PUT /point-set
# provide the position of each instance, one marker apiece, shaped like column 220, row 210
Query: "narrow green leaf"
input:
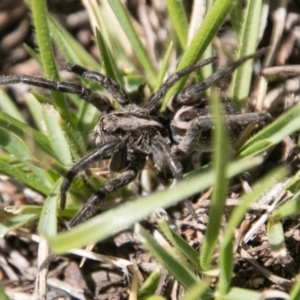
column 39, row 17
column 184, row 276
column 113, row 221
column 3, row 295
column 276, row 238
column 25, row 132
column 179, row 20
column 9, row 107
column 70, row 48
column 23, row 177
column 35, row 108
column 139, row 50
column 285, row 210
column 271, row 135
column 248, row 40
column 33, row 54
column 24, row 209
column 109, row 64
column 204, row 35
column 220, row 160
column 295, row 293
column 163, row 68
column 179, row 243
column 226, row 252
column 56, row 136
column 198, row 291
column 16, row 222
column 20, row 151
column 48, row 223
column 150, row 285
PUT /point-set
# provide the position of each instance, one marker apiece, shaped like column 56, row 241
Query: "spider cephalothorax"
column 131, row 134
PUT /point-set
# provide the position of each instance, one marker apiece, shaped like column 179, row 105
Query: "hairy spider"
column 131, row 134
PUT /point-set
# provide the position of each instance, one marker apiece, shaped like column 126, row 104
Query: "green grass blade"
column 24, row 209
column 86, row 121
column 179, row 20
column 16, row 147
column 35, row 109
column 33, row 54
column 56, row 135
column 184, row 276
column 276, row 238
column 248, row 40
column 295, row 293
column 220, row 159
column 271, row 135
column 3, row 295
column 204, row 35
column 285, row 210
column 70, row 48
column 179, row 243
column 113, row 221
column 197, row 291
column 139, row 50
column 109, row 64
column 226, row 252
column 48, row 221
column 9, row 107
column 150, row 285
column 25, row 133
column 163, row 68
column 39, row 17
column 16, row 222
column 24, row 178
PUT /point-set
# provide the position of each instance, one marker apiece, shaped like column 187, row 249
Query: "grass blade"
column 248, row 40
column 39, row 15
column 163, row 68
column 184, row 276
column 271, row 135
column 221, row 155
column 16, row 222
column 16, row 147
column 179, row 20
column 132, row 36
column 9, row 107
column 211, row 24
column 25, row 133
column 226, row 253
column 48, row 221
column 149, row 286
column 56, row 135
column 113, row 221
column 24, row 178
column 179, row 243
column 109, row 66
column 70, row 48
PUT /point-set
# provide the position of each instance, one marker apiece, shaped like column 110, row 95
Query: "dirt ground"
column 255, row 266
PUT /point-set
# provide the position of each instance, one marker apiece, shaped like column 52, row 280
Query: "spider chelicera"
column 132, row 133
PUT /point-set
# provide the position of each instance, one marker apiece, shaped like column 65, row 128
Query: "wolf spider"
column 131, row 134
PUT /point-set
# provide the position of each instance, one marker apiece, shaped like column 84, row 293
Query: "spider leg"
column 189, row 94
column 154, row 101
column 191, row 138
column 102, row 152
column 99, row 101
column 93, row 205
column 110, row 85
column 162, row 158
